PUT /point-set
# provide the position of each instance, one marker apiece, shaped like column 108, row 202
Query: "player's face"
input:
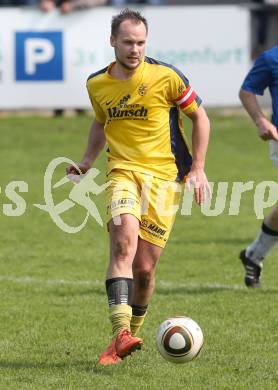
column 129, row 44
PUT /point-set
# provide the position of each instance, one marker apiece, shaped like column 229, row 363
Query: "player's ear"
column 112, row 41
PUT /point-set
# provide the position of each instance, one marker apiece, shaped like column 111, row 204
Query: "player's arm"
column 96, row 143
column 200, row 140
column 266, row 129
column 189, row 102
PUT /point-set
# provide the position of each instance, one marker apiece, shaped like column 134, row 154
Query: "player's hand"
column 198, row 179
column 78, row 169
column 267, row 130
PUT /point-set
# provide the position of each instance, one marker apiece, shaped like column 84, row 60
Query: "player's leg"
column 272, row 220
column 156, row 223
column 252, row 257
column 119, row 281
column 122, row 201
column 144, row 266
column 123, row 246
column 119, row 287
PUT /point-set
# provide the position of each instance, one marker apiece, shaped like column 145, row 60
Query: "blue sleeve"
column 259, row 77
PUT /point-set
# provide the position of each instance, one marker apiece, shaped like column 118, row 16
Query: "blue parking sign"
column 39, row 56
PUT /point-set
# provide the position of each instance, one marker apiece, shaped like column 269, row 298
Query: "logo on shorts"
column 153, row 229
column 156, row 229
column 144, row 223
column 120, row 203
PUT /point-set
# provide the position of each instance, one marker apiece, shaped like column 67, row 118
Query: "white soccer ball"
column 179, row 339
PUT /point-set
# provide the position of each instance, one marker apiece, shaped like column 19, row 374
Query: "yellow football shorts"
column 153, row 201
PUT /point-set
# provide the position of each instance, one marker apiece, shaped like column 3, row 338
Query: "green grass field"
column 53, row 309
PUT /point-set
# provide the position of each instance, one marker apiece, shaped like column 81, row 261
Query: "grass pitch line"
column 164, row 284
column 49, row 282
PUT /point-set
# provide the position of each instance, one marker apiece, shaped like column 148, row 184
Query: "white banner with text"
column 45, row 59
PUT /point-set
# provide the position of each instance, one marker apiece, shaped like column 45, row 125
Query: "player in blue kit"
column 264, row 74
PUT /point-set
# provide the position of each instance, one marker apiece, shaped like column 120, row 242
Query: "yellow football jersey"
column 141, row 118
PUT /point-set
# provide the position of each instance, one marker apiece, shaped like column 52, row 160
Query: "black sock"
column 119, row 291
column 139, row 310
column 269, row 231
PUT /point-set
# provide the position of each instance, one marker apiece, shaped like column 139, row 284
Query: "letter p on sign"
column 39, row 56
column 37, row 51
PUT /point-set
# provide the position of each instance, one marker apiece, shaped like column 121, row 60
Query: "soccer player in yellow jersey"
column 137, row 102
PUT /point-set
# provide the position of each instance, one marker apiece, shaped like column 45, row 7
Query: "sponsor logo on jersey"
column 123, row 101
column 123, row 110
column 130, row 111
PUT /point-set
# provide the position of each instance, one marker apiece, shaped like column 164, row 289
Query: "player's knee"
column 144, row 276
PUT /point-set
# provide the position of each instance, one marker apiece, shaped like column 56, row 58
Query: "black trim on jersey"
column 152, row 61
column 198, row 100
column 96, row 73
column 179, row 148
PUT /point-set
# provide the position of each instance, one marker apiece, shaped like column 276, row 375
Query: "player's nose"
column 134, row 48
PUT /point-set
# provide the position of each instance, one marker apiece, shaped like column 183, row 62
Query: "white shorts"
column 273, row 152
